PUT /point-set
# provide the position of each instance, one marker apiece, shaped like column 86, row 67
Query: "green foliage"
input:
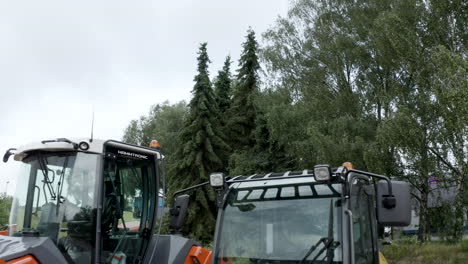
column 416, row 126
column 202, row 150
column 381, row 83
column 223, row 86
column 163, row 123
column 316, row 72
column 267, row 155
column 242, row 114
column 132, row 133
column 5, row 206
column 447, row 220
column 464, row 245
column 427, row 253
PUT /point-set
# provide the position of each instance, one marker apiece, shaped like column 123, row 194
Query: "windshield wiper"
column 328, row 242
column 75, row 145
column 60, row 185
column 327, row 245
column 45, row 170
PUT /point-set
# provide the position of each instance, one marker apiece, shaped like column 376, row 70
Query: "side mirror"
column 399, row 214
column 178, row 213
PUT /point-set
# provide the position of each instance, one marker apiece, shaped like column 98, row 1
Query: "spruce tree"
column 223, row 86
column 267, row 155
column 242, row 114
column 201, row 152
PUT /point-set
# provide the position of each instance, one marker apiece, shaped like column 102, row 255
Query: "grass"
column 406, row 252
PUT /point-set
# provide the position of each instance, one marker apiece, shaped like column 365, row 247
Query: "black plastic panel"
column 42, row 248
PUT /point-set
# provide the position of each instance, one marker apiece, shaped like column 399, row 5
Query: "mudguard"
column 41, row 248
column 198, row 255
column 173, row 249
column 28, row 259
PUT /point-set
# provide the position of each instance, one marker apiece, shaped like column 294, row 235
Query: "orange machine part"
column 28, row 259
column 197, row 255
column 226, row 261
column 7, row 231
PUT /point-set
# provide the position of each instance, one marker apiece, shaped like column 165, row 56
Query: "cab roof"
column 96, row 146
column 69, row 144
column 273, row 178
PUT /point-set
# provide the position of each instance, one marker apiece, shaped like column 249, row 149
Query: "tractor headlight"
column 217, row 179
column 322, row 173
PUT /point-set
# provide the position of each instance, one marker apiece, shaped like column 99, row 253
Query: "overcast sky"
column 60, row 60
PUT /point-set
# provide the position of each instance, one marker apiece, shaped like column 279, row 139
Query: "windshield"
column 55, row 198
column 280, row 225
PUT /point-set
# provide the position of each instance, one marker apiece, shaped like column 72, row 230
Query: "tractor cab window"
column 55, row 198
column 362, row 206
column 280, row 224
column 129, row 197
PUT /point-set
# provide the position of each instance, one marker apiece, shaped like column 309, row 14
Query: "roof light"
column 217, row 179
column 155, row 144
column 322, row 172
column 348, row 165
column 83, row 145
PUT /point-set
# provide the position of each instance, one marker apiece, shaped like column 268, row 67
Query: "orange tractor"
column 90, row 201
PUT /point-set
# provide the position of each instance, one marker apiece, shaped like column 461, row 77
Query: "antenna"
column 92, row 128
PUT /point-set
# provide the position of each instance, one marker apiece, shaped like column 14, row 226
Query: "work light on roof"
column 217, row 179
column 83, row 146
column 322, row 172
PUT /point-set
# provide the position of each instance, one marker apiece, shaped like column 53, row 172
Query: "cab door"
column 129, row 199
column 364, row 223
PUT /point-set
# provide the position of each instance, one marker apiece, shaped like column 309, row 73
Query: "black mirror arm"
column 389, row 200
column 175, row 210
column 7, row 155
column 220, row 192
column 188, row 189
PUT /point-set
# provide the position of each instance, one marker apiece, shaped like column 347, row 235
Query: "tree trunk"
column 423, row 221
column 424, row 170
